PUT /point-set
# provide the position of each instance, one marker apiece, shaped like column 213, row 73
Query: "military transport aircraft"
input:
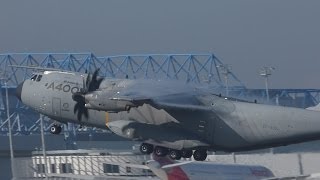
column 170, row 117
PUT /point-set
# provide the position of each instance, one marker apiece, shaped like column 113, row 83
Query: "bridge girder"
column 198, row 68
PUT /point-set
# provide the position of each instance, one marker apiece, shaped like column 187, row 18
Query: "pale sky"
column 246, row 34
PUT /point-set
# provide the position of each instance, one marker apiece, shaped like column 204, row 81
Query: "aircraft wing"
column 136, row 101
column 168, row 166
column 301, row 177
column 139, row 101
column 151, row 164
column 121, row 95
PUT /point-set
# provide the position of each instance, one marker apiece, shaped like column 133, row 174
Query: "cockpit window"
column 39, row 78
column 33, row 78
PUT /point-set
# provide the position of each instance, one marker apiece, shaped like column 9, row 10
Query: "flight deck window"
column 33, row 78
column 39, row 78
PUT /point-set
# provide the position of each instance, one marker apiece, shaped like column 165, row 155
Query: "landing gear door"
column 56, row 107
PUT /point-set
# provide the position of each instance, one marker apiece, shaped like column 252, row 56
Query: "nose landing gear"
column 55, row 129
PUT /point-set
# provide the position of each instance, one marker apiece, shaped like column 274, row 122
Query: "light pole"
column 225, row 69
column 266, row 72
column 9, row 127
column 43, row 147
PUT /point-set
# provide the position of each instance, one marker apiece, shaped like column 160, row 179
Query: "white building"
column 82, row 162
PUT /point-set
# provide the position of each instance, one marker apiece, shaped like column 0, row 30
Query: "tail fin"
column 166, row 168
column 314, row 108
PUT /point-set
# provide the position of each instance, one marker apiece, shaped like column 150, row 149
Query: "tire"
column 200, row 155
column 175, row 154
column 55, row 129
column 160, row 151
column 186, row 153
column 146, row 148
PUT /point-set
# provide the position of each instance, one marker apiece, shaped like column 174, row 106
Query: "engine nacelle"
column 124, row 129
column 109, row 105
column 103, row 103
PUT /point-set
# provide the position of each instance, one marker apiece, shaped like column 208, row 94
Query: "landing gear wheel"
column 186, row 153
column 175, row 154
column 160, row 151
column 200, row 155
column 146, row 148
column 55, row 129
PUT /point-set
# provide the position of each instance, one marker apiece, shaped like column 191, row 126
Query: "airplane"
column 169, row 117
column 168, row 169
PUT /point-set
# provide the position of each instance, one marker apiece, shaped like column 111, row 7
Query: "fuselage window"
column 34, row 77
column 39, row 78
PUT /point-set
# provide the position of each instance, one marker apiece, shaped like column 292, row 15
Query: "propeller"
column 91, row 84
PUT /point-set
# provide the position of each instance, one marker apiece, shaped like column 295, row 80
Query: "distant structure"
column 266, row 72
column 83, row 163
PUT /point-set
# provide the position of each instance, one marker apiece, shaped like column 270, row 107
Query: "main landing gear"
column 55, row 129
column 198, row 155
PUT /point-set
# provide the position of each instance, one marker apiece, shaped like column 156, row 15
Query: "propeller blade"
column 83, row 86
column 95, row 74
column 75, row 109
column 91, row 83
column 80, row 110
column 78, row 97
column 94, row 83
column 79, row 115
column 85, row 112
column 88, row 81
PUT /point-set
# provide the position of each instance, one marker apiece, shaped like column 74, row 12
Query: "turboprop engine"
column 103, row 102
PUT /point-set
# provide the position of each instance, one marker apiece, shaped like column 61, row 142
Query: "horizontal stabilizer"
column 314, row 108
column 168, row 166
column 289, row 177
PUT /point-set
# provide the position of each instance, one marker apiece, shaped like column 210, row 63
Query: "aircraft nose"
column 19, row 91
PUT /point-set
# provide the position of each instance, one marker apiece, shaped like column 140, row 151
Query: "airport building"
column 95, row 163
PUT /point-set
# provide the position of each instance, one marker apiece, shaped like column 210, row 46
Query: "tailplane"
column 314, row 108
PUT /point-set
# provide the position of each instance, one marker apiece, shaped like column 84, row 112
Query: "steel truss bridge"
column 191, row 68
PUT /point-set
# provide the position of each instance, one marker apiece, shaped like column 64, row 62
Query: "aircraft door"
column 210, row 129
column 56, row 106
column 206, row 128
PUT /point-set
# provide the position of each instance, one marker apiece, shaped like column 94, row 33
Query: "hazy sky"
column 246, row 34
